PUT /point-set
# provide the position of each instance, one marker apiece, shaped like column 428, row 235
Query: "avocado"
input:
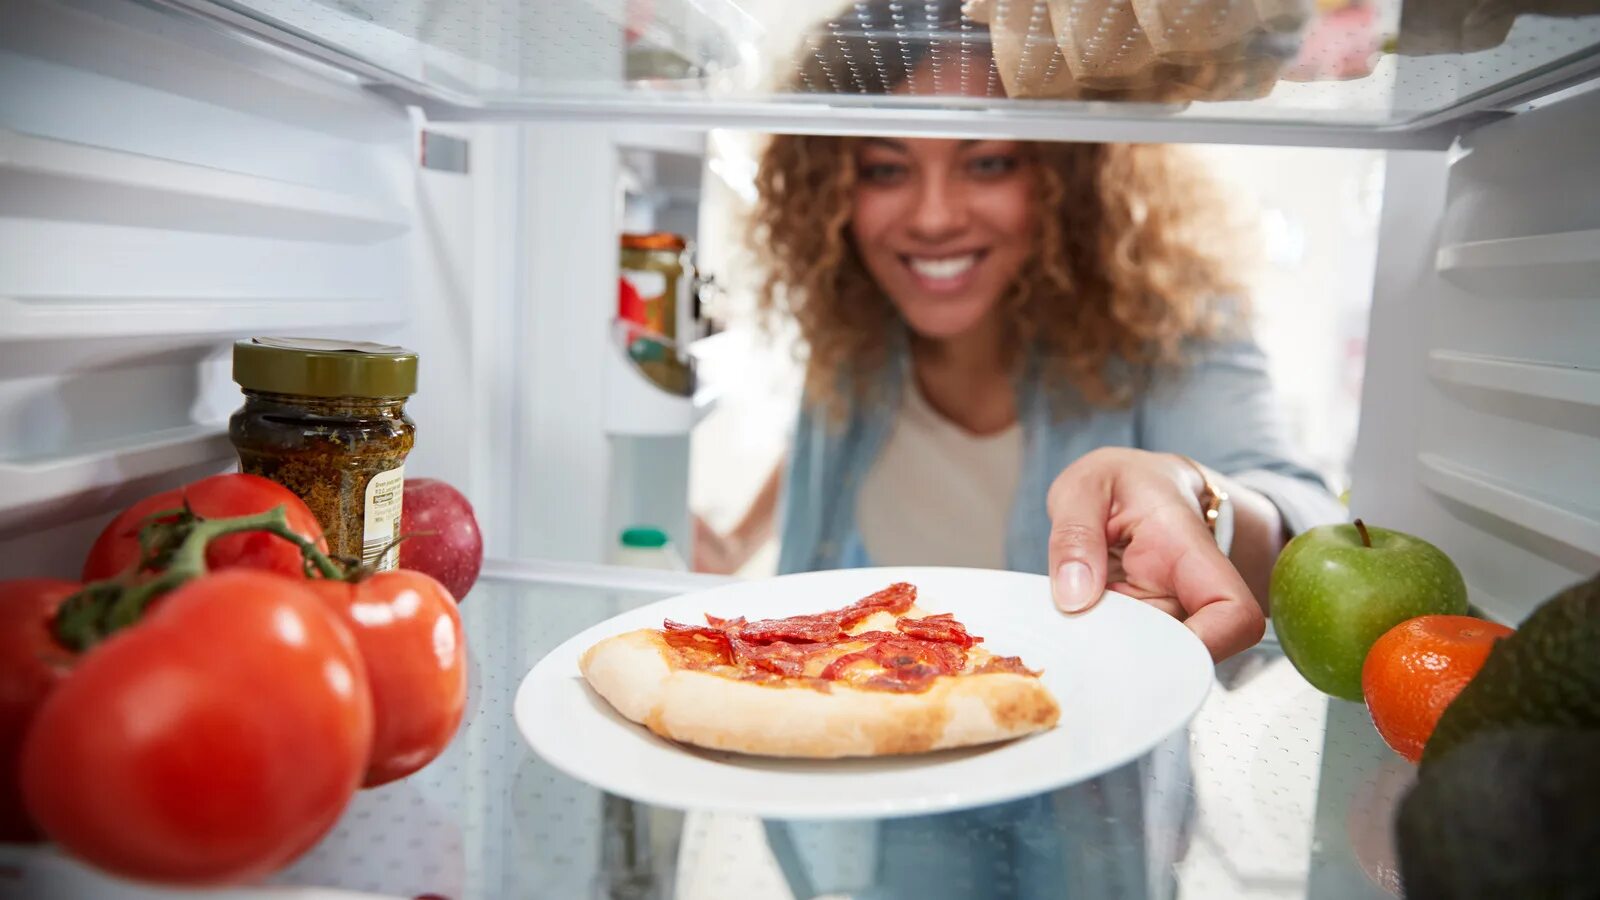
column 1547, row 673
column 1509, row 813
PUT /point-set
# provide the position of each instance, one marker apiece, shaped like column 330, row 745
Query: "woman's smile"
column 943, row 226
column 949, row 273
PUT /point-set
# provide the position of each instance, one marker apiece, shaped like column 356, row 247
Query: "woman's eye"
column 881, row 173
column 992, row 166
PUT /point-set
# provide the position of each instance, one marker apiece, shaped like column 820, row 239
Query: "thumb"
column 1078, row 547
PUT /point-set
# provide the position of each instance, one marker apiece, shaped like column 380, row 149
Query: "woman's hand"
column 726, row 553
column 1130, row 520
column 714, row 552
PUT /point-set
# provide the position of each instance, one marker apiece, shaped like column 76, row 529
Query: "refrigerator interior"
column 177, row 175
column 172, row 181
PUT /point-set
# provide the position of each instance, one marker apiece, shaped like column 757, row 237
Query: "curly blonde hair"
column 1135, row 258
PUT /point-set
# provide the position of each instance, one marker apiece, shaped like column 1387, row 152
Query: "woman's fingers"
column 1228, row 628
column 1163, row 554
column 1164, row 602
column 1220, row 609
column 1079, row 506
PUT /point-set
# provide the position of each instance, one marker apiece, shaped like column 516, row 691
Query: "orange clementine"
column 1416, row 668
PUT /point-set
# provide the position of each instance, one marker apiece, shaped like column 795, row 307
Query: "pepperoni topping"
column 942, row 628
column 1012, row 664
column 902, row 657
column 890, row 647
column 875, row 636
column 776, row 651
column 710, row 644
column 801, row 629
column 678, row 628
column 829, row 626
column 950, row 657
column 819, row 628
column 838, row 666
column 894, row 599
column 782, row 657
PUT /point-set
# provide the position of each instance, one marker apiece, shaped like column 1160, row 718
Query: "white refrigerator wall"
column 166, row 188
column 1481, row 414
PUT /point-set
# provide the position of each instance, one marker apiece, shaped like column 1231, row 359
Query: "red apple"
column 444, row 540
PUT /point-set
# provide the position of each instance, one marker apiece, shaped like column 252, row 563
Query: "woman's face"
column 943, row 226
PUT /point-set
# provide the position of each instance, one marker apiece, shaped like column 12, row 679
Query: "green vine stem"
column 159, row 534
column 103, row 607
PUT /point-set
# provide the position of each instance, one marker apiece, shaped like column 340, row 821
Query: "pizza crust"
column 633, row 673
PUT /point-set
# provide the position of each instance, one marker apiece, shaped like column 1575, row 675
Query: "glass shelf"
column 1274, row 791
column 1336, row 72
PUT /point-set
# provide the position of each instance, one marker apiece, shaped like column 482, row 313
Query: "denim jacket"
column 1115, row 837
column 1218, row 410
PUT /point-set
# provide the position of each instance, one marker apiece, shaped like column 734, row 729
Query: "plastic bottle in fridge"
column 647, row 547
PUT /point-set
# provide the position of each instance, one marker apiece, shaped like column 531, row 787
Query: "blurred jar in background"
column 655, row 306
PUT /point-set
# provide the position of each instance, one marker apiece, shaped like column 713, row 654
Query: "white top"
column 939, row 495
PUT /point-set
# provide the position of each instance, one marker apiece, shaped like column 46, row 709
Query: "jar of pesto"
column 326, row 419
column 656, row 267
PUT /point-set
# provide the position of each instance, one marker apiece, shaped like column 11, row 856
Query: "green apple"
column 1337, row 588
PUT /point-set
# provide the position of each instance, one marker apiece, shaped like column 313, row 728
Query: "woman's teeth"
column 944, row 268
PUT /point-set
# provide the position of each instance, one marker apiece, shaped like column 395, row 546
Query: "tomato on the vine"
column 32, row 663
column 117, row 549
column 213, row 741
column 409, row 631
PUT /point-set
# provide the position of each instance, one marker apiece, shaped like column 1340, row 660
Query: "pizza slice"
column 875, row 678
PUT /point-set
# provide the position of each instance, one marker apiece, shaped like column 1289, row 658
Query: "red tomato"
column 217, row 497
column 31, row 664
column 212, row 742
column 409, row 632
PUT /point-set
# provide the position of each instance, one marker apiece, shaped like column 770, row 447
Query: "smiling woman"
column 1019, row 355
column 1025, row 356
column 1095, row 251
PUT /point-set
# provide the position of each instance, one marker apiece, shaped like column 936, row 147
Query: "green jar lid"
column 312, row 367
column 644, row 536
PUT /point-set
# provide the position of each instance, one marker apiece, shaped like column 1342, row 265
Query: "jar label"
column 652, row 289
column 382, row 525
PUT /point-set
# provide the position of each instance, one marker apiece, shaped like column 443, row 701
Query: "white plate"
column 1126, row 676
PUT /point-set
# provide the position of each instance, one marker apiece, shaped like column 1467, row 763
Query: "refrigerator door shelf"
column 38, row 493
column 58, row 305
column 56, row 179
column 1563, row 264
column 1573, row 525
column 156, row 323
column 637, row 407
